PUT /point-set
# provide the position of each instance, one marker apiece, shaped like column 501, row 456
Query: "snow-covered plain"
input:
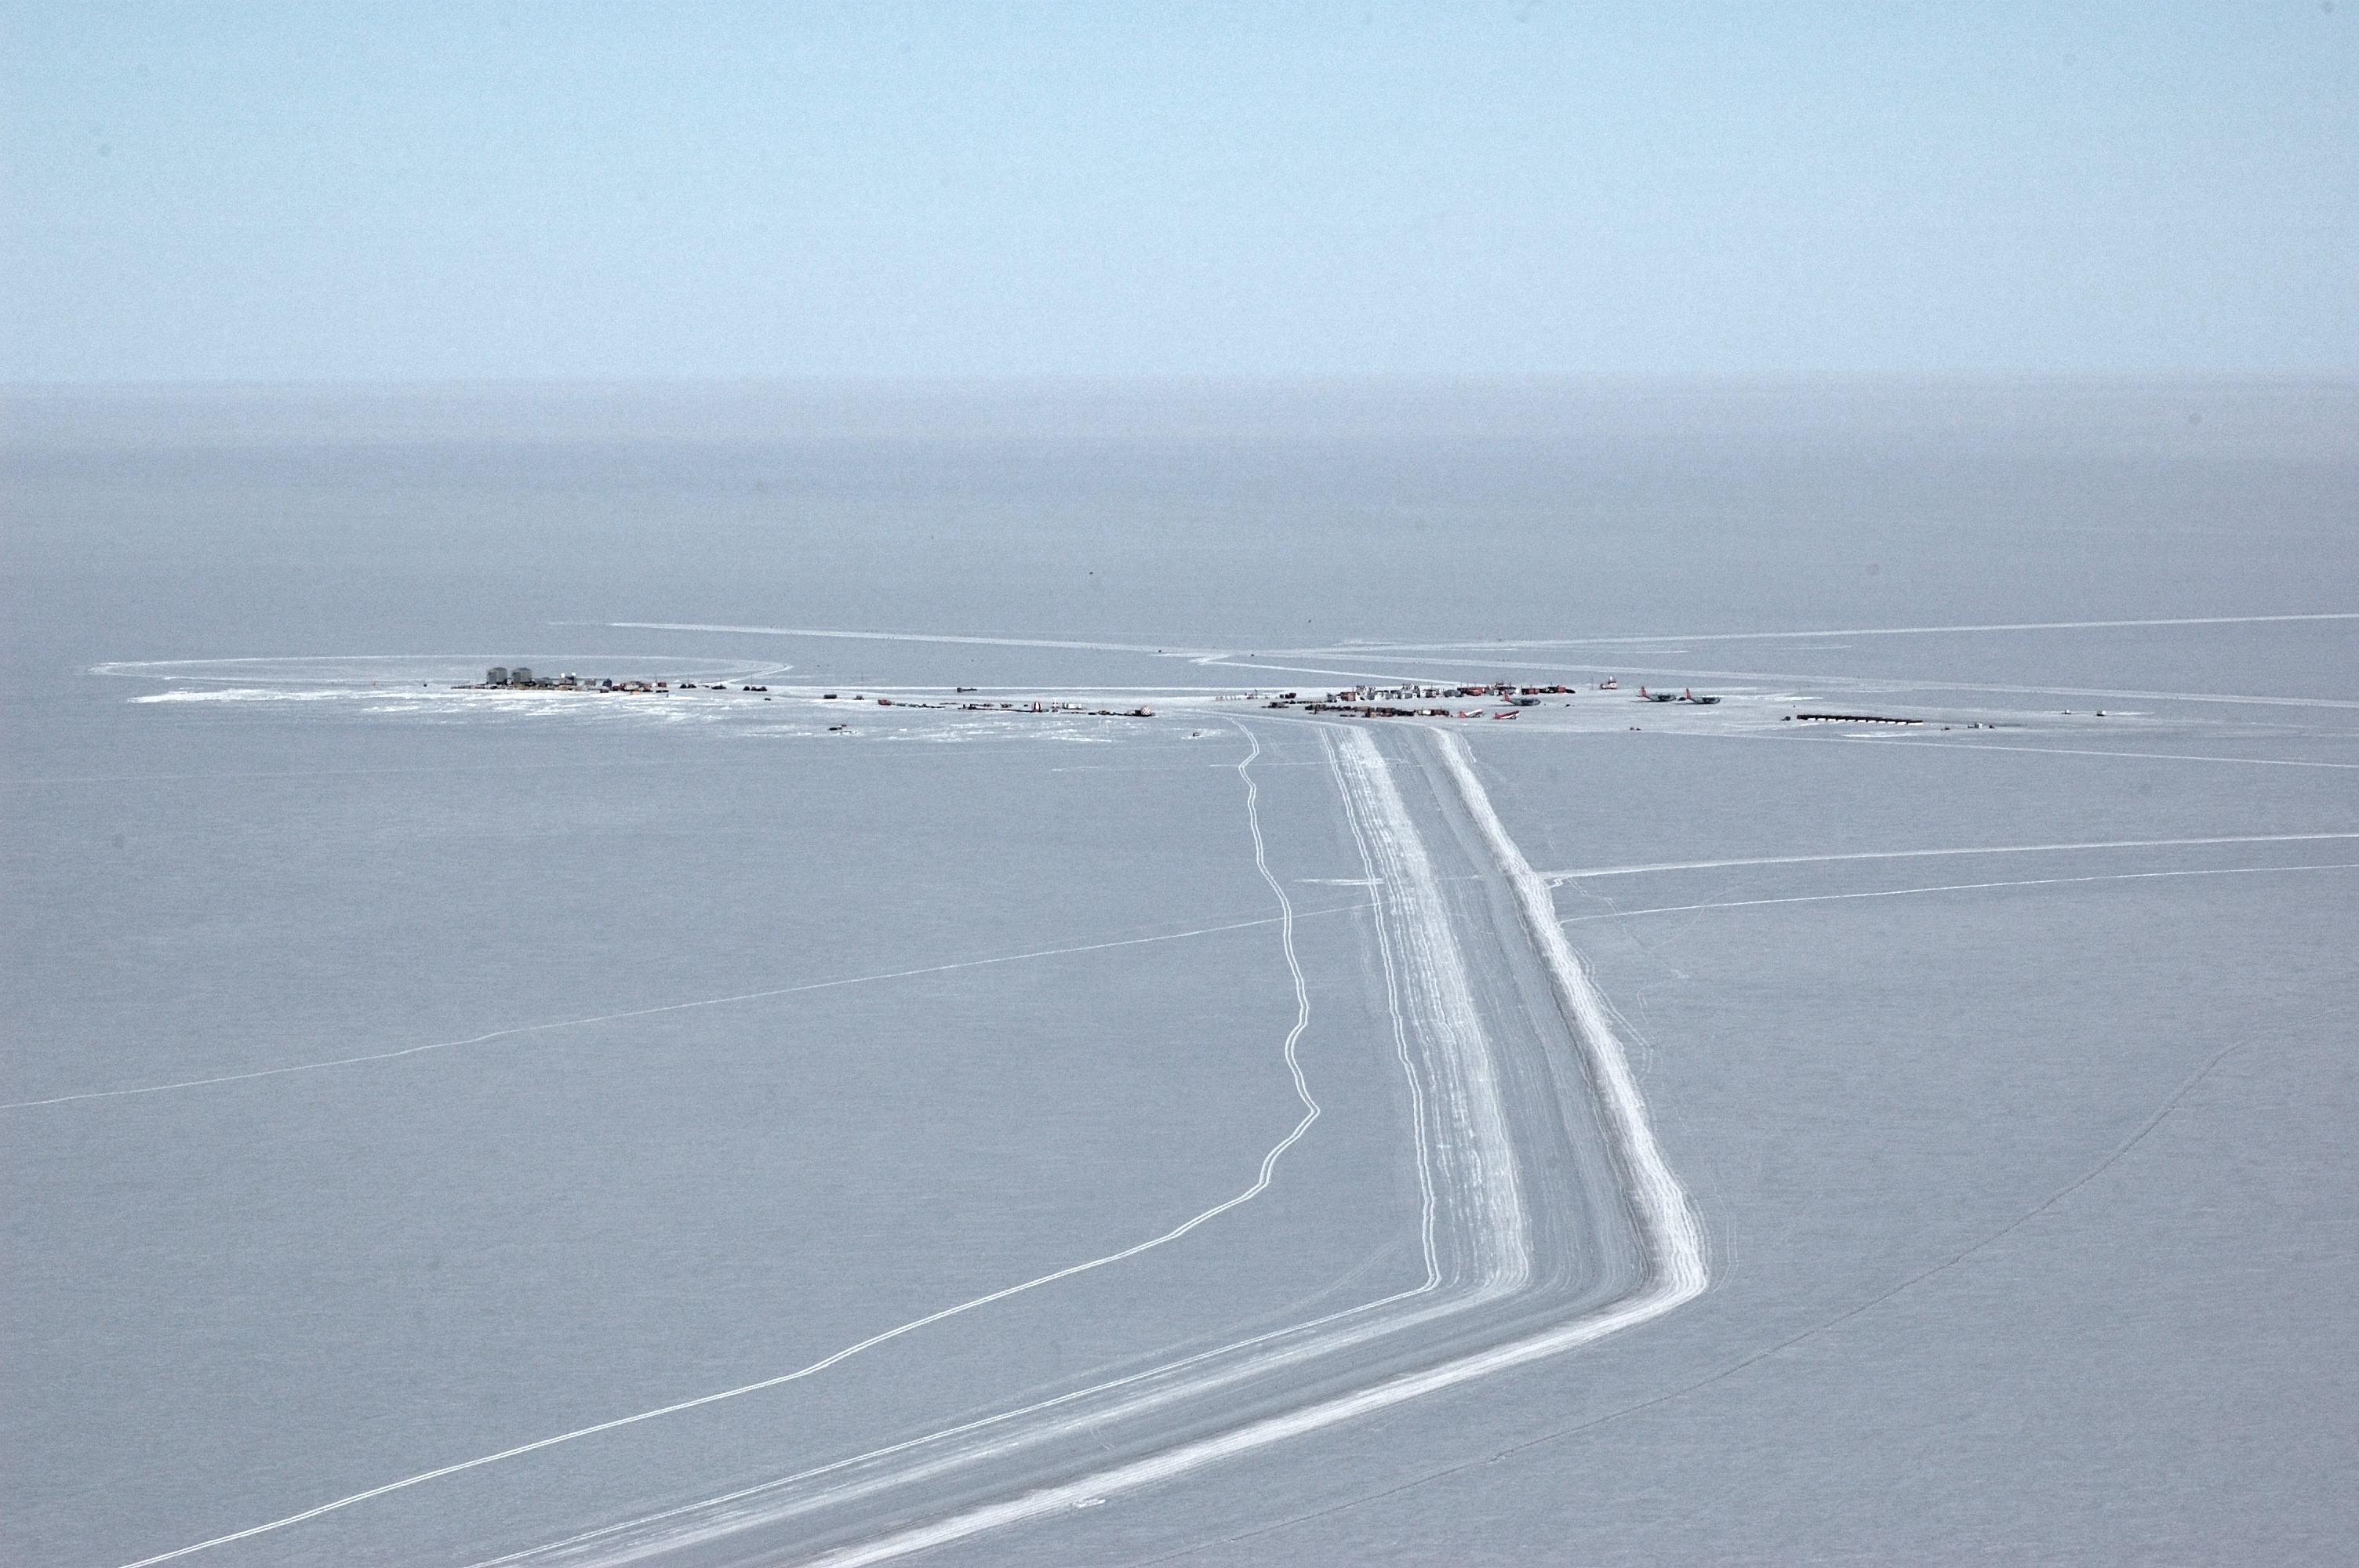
column 459, row 1126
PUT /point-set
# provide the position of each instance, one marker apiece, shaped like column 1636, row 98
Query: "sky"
column 350, row 192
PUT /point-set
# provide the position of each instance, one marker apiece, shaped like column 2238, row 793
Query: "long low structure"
column 1853, row 718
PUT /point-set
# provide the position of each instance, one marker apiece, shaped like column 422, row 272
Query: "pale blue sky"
column 409, row 191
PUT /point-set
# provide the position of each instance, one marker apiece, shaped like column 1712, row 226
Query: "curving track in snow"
column 1550, row 1220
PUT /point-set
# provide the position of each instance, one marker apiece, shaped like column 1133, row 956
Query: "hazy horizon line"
column 1275, row 379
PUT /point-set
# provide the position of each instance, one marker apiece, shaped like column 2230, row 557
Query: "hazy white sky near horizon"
column 246, row 191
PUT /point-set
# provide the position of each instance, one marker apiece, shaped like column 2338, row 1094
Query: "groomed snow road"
column 1550, row 1220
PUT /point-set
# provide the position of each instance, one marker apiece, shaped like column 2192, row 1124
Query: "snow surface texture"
column 752, row 1126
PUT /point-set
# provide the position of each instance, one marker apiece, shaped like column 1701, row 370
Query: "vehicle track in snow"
column 1555, row 878
column 516, row 1031
column 1495, row 1297
column 1959, row 887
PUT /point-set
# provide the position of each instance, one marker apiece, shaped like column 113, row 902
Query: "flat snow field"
column 771, row 1124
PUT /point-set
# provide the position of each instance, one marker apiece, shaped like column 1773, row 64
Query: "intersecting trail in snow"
column 1960, row 887
column 1560, row 877
column 522, row 1029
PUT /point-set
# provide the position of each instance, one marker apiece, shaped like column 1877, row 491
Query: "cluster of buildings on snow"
column 500, row 677
column 1388, row 701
